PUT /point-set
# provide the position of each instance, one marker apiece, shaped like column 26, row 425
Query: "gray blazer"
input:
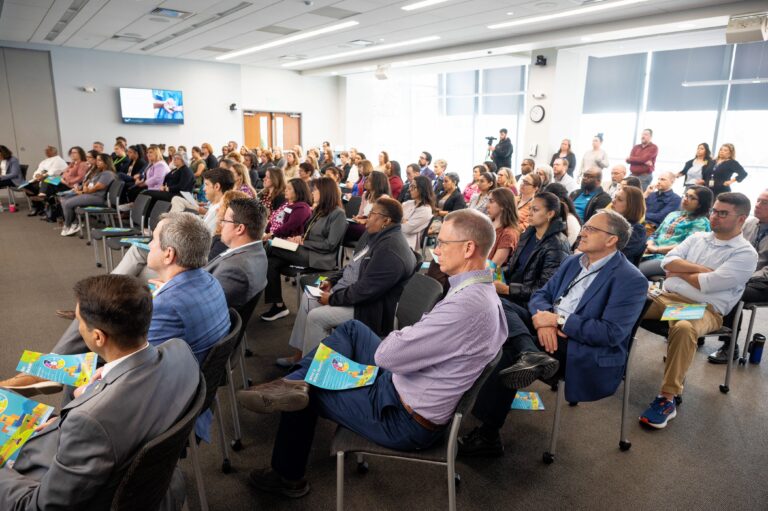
column 78, row 461
column 750, row 231
column 242, row 273
column 323, row 240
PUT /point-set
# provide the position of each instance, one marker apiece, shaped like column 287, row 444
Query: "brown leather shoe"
column 275, row 396
column 28, row 385
column 65, row 314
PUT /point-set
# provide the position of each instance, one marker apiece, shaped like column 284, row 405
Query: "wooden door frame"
column 272, row 119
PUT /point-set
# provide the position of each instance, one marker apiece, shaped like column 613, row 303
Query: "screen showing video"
column 152, row 106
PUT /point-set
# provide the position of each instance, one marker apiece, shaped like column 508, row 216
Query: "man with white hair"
column 618, row 172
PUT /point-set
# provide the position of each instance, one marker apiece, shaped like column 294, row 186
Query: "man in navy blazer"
column 582, row 318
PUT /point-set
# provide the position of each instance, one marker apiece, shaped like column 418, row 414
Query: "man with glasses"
column 424, row 369
column 580, row 321
column 756, row 291
column 590, row 197
column 618, row 172
column 710, row 268
column 424, row 160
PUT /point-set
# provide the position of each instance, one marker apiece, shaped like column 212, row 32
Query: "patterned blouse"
column 479, row 201
column 675, row 228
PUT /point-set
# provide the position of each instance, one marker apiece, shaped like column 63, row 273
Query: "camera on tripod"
column 490, row 140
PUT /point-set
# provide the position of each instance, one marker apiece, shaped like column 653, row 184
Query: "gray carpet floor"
column 713, row 456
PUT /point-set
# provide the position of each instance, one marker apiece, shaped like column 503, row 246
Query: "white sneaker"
column 65, row 230
column 73, row 229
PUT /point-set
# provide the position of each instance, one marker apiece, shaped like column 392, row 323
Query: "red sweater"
column 641, row 154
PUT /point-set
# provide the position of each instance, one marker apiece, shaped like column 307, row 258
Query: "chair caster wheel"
column 576, row 403
column 237, row 445
column 548, row 458
column 362, row 468
column 88, row 243
column 742, row 361
column 700, row 341
column 678, row 400
column 625, row 446
column 250, row 382
column 98, row 265
column 457, row 480
column 287, row 279
column 724, row 389
column 248, row 353
column 226, row 467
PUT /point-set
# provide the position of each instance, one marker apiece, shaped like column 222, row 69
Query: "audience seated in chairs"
column 451, row 199
column 539, row 253
column 630, row 203
column 756, row 232
column 153, row 176
column 376, row 186
column 530, row 184
column 74, row 174
column 93, row 192
column 317, row 247
column 660, row 200
column 273, row 194
column 583, row 317
column 502, row 210
column 417, row 212
column 179, row 179
column 290, row 218
column 217, row 246
column 368, row 288
column 708, row 267
column 423, row 369
column 590, row 197
column 573, row 223
column 472, row 188
column 479, row 201
column 217, row 182
column 411, row 171
column 78, row 459
column 678, row 226
column 395, row 181
column 243, row 180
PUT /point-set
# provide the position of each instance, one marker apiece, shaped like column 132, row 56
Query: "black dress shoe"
column 476, row 444
column 721, row 355
column 271, row 482
column 531, row 366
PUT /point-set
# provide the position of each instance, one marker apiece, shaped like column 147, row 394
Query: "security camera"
column 233, row 107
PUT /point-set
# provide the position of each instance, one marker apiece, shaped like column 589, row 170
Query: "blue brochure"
column 74, row 370
column 19, row 417
column 142, row 243
column 527, row 401
column 333, row 371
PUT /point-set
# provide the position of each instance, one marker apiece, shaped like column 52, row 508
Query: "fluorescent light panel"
column 370, row 49
column 741, row 81
column 565, row 14
column 422, row 4
column 287, row 40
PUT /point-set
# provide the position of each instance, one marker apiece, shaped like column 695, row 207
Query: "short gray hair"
column 189, row 237
column 548, row 171
column 472, row 225
column 618, row 225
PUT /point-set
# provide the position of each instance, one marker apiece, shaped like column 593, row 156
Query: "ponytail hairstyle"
column 553, row 203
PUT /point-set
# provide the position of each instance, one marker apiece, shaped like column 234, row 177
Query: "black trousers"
column 277, row 260
column 495, row 400
column 756, row 291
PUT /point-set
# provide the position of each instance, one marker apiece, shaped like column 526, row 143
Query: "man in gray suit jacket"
column 79, row 458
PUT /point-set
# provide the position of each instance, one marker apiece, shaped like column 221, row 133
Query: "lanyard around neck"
column 479, row 279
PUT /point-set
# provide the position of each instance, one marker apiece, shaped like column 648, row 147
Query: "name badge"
column 711, row 183
column 288, row 210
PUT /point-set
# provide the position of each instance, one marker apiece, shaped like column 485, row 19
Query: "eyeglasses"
column 380, row 214
column 691, row 196
column 720, row 213
column 225, row 221
column 443, row 242
column 591, row 230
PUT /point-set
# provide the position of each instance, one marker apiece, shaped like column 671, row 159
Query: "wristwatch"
column 560, row 320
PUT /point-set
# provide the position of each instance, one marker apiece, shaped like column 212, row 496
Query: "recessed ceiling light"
column 379, row 47
column 586, row 38
column 286, row 40
column 566, row 14
column 422, row 4
column 510, row 13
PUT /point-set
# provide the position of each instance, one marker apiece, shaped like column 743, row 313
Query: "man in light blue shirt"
column 708, row 267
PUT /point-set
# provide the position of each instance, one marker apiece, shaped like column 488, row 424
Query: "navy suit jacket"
column 599, row 330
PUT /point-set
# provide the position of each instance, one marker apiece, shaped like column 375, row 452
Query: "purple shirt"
column 436, row 360
column 155, row 175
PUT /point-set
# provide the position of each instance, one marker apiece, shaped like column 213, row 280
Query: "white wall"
column 316, row 98
column 208, row 90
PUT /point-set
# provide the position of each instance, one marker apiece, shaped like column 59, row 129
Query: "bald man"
column 660, row 200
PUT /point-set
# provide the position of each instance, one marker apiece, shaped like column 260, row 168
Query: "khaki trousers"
column 683, row 339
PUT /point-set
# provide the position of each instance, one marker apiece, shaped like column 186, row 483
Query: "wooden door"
column 257, row 129
column 287, row 129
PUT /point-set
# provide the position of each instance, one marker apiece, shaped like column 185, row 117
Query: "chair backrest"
column 24, row 168
column 425, row 237
column 114, row 192
column 648, row 303
column 467, row 401
column 421, row 293
column 146, row 480
column 158, row 209
column 246, row 311
column 215, row 364
column 139, row 210
column 352, row 206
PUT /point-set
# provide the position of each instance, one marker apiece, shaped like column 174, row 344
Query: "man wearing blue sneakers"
column 708, row 267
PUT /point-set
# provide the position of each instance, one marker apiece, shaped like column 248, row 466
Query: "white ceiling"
column 456, row 22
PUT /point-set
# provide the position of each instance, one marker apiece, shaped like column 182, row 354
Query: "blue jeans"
column 374, row 412
column 645, row 180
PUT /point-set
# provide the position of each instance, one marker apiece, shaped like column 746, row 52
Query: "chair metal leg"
column 226, row 464
column 246, row 352
column 96, row 254
column 340, row 481
column 451, row 466
column 87, row 227
column 549, row 456
column 731, row 348
column 241, row 363
column 624, row 443
column 110, row 261
column 237, row 441
column 198, row 473
column 106, row 254
column 748, row 339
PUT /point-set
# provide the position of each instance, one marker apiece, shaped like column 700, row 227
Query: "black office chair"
column 444, row 453
column 114, row 243
column 12, row 190
column 136, row 224
column 148, row 477
column 352, row 206
column 107, row 213
column 421, row 293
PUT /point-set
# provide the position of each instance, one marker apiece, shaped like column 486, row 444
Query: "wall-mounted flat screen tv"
column 151, row 106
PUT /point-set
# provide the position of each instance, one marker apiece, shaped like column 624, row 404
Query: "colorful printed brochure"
column 116, row 229
column 680, row 311
column 142, row 243
column 53, row 180
column 498, row 274
column 333, row 371
column 19, row 417
column 527, row 401
column 74, row 370
column 320, row 280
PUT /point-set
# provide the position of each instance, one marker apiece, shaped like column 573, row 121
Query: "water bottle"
column 12, row 208
column 756, row 348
